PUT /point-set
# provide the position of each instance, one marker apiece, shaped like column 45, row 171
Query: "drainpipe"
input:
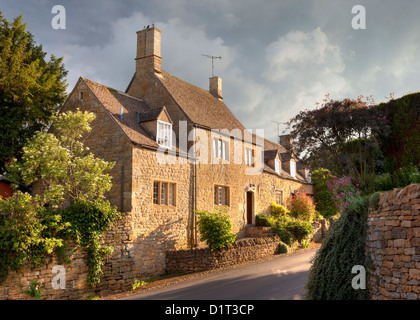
column 195, row 184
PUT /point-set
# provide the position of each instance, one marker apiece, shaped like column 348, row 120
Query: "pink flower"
column 358, row 192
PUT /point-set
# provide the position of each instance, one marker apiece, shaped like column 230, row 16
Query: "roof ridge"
column 112, row 89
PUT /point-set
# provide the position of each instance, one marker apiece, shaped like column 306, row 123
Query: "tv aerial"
column 212, row 62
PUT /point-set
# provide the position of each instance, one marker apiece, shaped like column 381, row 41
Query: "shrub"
column 374, row 200
column 414, row 176
column 324, row 204
column 290, row 229
column 383, row 182
column 284, row 234
column 28, row 232
column 278, row 210
column 215, row 229
column 261, row 220
column 302, row 207
column 299, row 229
column 330, row 276
column 345, row 194
column 282, row 248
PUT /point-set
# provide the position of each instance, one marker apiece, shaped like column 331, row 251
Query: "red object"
column 5, row 190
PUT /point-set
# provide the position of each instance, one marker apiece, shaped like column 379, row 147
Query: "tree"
column 31, row 88
column 62, row 164
column 337, row 133
column 59, row 161
column 400, row 146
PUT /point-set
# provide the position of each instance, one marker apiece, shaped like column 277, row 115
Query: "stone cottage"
column 178, row 148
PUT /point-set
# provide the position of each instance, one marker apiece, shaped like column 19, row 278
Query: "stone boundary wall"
column 259, row 232
column 119, row 272
column 393, row 244
column 320, row 228
column 201, row 259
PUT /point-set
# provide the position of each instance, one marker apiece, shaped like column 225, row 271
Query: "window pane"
column 156, row 192
column 163, row 193
column 225, row 196
column 171, row 194
column 246, row 157
column 277, row 165
column 227, row 150
column 214, row 148
column 279, row 197
column 164, row 134
column 219, row 148
column 292, row 168
column 220, row 196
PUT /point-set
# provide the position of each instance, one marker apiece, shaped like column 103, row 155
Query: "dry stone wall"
column 201, row 259
column 393, row 245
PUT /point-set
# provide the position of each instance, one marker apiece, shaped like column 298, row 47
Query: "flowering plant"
column 33, row 288
column 344, row 192
column 302, row 207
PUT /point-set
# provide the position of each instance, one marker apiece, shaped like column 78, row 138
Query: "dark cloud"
column 278, row 57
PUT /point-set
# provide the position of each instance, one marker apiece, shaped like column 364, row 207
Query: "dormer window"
column 293, row 169
column 220, row 149
column 277, row 165
column 164, row 134
column 307, row 175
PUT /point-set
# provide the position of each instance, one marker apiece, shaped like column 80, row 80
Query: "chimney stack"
column 286, row 141
column 216, row 87
column 148, row 51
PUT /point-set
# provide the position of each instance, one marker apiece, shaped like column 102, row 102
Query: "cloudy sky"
column 278, row 56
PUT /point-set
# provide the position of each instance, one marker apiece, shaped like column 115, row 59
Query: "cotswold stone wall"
column 202, row 259
column 119, row 271
column 393, row 243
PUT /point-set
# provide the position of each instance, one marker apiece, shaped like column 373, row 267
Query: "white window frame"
column 249, row 159
column 220, row 148
column 293, row 169
column 277, row 165
column 167, row 131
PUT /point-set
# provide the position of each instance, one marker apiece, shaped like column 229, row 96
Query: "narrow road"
column 281, row 278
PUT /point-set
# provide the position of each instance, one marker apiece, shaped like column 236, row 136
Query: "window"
column 221, row 195
column 307, row 175
column 220, row 149
column 249, row 160
column 277, row 165
column 164, row 193
column 164, row 134
column 279, row 197
column 293, row 168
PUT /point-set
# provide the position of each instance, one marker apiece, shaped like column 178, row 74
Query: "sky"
column 279, row 57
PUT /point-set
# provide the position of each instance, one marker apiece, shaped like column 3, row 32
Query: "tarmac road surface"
column 281, row 278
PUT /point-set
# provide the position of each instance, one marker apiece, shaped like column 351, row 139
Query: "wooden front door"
column 249, row 207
